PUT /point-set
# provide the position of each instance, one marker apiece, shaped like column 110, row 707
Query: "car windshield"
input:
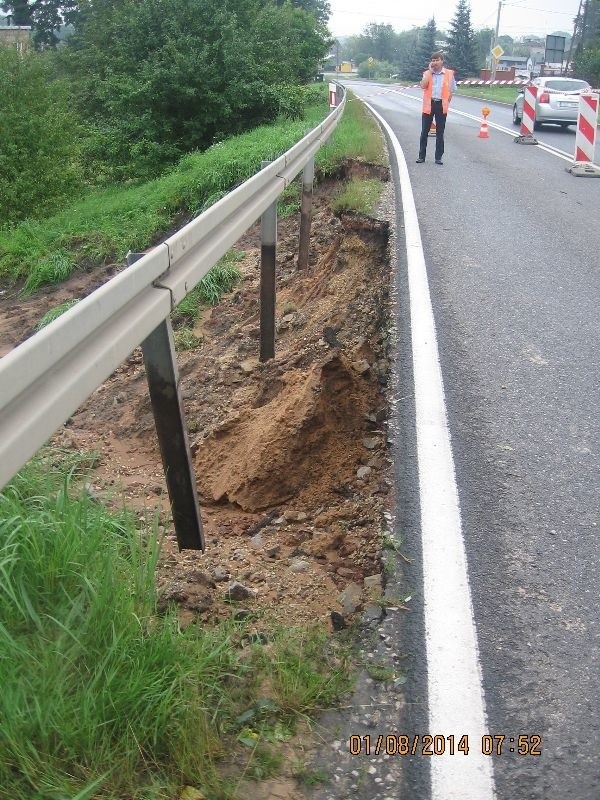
column 567, row 86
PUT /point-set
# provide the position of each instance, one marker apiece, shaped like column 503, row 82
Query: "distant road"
column 512, row 250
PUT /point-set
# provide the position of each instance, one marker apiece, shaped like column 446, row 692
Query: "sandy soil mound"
column 290, row 455
column 300, row 437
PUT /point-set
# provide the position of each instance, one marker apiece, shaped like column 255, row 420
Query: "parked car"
column 557, row 101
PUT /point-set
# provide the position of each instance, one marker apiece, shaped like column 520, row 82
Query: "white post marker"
column 585, row 139
column 528, row 118
column 332, row 95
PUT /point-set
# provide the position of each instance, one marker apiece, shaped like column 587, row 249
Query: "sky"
column 517, row 17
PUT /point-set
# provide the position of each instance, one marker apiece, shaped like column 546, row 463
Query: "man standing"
column 438, row 86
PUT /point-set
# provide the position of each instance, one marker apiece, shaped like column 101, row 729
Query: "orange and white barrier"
column 587, row 120
column 528, row 118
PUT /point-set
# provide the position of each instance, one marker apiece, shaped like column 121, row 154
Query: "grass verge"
column 102, row 696
column 103, row 226
column 357, row 138
column 359, row 195
column 496, row 94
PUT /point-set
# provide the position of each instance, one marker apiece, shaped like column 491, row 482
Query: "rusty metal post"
column 268, row 254
column 163, row 383
column 308, row 177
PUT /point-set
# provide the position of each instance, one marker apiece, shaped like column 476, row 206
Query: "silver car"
column 557, row 101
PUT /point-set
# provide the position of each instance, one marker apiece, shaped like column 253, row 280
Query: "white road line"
column 456, row 700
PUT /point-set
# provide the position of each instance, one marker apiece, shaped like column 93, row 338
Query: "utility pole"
column 577, row 33
column 495, row 42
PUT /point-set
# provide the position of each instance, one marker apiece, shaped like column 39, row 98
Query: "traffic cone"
column 432, row 130
column 483, row 130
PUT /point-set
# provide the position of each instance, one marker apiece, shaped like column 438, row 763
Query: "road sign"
column 497, row 52
column 370, row 61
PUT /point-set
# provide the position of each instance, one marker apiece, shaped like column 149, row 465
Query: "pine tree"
column 426, row 46
column 462, row 52
column 420, row 55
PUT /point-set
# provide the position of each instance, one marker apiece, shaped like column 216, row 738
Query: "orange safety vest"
column 446, row 81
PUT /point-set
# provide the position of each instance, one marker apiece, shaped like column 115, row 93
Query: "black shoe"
column 439, row 161
column 420, row 160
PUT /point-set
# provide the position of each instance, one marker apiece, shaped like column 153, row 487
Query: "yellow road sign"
column 497, row 51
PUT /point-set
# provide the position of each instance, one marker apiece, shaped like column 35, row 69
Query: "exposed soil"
column 290, row 454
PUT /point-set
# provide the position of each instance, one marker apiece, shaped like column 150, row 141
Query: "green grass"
column 357, row 138
column 104, row 698
column 103, row 226
column 55, row 313
column 359, row 195
column 498, row 94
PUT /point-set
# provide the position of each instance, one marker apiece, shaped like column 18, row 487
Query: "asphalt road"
column 512, row 247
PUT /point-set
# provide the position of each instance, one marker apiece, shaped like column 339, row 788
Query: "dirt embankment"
column 290, row 455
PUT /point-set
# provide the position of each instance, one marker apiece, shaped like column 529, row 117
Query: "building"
column 18, row 36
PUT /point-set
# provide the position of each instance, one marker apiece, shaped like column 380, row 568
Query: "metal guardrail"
column 45, row 379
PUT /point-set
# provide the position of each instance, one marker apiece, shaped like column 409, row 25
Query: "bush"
column 158, row 79
column 588, row 65
column 376, row 70
column 38, row 154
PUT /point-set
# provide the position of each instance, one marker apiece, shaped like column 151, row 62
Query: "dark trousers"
column 437, row 113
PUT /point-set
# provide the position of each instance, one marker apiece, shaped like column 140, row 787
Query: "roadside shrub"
column 588, row 65
column 377, row 70
column 292, row 99
column 158, row 79
column 38, row 152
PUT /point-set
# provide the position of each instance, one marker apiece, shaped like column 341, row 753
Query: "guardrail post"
column 308, row 177
column 163, row 383
column 268, row 251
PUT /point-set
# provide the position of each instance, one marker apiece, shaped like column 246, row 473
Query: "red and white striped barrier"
column 528, row 118
column 587, row 120
column 585, row 139
column 332, row 95
column 472, row 82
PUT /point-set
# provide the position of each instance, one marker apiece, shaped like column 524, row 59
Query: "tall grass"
column 358, row 195
column 107, row 223
column 356, row 138
column 101, row 696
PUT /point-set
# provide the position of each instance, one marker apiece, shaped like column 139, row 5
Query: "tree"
column 587, row 51
column 483, row 43
column 376, row 70
column 425, row 47
column 320, row 9
column 462, row 55
column 405, row 54
column 419, row 56
column 159, row 78
column 38, row 138
column 376, row 41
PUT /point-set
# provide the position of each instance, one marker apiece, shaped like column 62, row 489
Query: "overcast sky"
column 518, row 17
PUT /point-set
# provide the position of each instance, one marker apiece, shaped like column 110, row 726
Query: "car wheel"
column 565, row 125
column 516, row 117
column 537, row 126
